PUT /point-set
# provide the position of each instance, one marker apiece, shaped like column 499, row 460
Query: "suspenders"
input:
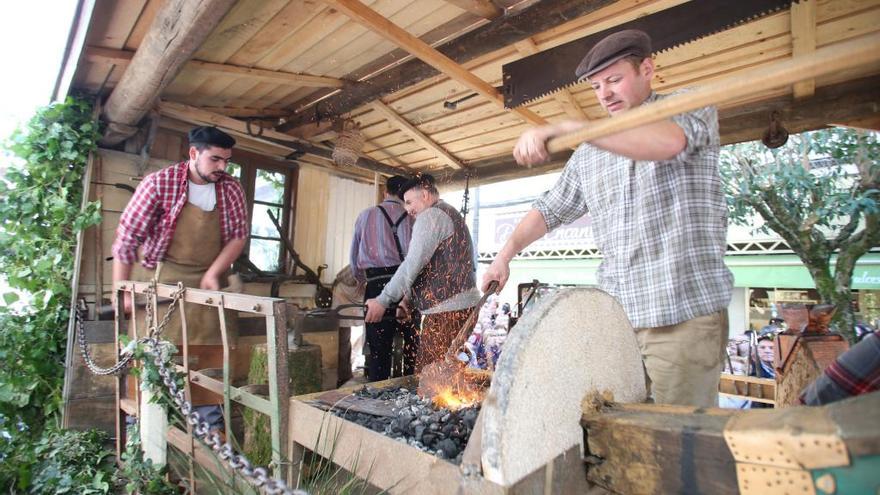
column 394, row 226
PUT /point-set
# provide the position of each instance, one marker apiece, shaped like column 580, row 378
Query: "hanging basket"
column 349, row 145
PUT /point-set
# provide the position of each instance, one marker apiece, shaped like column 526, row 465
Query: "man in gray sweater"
column 438, row 275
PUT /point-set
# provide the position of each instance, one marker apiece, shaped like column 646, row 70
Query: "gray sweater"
column 431, row 227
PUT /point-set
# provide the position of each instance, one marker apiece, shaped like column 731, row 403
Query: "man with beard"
column 186, row 223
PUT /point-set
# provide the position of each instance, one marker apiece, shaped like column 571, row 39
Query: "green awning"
column 784, row 271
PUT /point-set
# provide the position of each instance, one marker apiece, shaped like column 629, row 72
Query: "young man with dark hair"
column 438, row 273
column 381, row 239
column 659, row 217
column 186, row 223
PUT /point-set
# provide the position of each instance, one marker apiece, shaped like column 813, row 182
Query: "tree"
column 821, row 194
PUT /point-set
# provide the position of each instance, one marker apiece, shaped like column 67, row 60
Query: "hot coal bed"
column 417, row 422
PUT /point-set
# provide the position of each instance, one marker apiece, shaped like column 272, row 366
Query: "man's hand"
column 126, row 302
column 499, row 270
column 209, row 281
column 403, row 310
column 531, row 148
column 375, row 311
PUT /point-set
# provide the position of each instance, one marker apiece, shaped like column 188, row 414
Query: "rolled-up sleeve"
column 701, row 130
column 564, row 202
column 136, row 221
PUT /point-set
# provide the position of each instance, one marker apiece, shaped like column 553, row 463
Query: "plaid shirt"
column 855, row 372
column 151, row 215
column 661, row 226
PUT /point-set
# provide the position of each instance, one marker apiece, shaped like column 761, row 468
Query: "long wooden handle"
column 861, row 51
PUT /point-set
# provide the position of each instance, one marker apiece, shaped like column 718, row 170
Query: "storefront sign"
column 576, row 235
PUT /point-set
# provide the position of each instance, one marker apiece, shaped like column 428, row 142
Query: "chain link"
column 257, row 476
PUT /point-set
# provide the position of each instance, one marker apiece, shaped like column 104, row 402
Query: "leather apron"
column 194, row 246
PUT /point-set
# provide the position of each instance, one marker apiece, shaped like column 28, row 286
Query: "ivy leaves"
column 40, row 215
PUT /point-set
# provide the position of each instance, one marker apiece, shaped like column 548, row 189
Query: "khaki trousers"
column 683, row 361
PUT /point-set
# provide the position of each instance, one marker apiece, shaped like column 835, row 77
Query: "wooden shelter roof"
column 276, row 61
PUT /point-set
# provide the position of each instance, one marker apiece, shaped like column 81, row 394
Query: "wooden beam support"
column 564, row 96
column 198, row 116
column 803, row 40
column 493, row 36
column 97, row 54
column 853, row 103
column 851, row 54
column 178, row 30
column 417, row 135
column 402, row 38
column 483, row 8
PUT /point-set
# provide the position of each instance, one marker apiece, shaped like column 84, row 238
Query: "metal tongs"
column 336, row 312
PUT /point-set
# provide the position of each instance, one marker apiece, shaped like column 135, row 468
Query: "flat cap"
column 425, row 181
column 211, row 136
column 613, row 48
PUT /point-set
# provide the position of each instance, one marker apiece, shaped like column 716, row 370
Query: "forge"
column 526, row 430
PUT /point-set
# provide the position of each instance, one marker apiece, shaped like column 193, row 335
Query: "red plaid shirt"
column 151, row 215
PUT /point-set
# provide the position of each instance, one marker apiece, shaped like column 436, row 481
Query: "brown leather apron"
column 194, row 246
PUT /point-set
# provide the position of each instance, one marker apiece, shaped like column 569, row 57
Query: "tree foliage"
column 821, row 194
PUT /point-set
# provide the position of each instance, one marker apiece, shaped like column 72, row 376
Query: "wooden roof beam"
column 198, row 116
column 178, row 30
column 417, row 135
column 483, row 8
column 495, row 35
column 563, row 97
column 97, row 54
column 400, row 37
column 803, row 40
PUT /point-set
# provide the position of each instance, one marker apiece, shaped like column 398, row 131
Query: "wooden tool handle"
column 858, row 52
column 465, row 331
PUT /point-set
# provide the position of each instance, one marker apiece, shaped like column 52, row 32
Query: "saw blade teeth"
column 545, row 95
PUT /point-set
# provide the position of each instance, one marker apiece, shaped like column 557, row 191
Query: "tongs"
column 336, row 312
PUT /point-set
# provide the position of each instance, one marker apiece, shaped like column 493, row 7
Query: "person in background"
column 438, row 274
column 381, row 240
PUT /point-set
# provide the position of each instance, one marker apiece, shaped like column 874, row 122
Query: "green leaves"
column 40, row 215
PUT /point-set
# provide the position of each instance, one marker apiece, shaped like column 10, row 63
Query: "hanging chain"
column 128, row 352
column 259, row 476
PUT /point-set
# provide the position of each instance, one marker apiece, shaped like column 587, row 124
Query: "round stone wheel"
column 575, row 342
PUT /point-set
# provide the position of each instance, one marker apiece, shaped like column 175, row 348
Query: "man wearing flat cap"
column 186, row 223
column 659, row 216
column 438, row 274
column 381, row 239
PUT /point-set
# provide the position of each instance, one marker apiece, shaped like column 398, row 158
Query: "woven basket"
column 349, row 145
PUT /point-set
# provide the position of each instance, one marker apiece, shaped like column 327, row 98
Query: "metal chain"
column 87, row 357
column 154, row 331
column 257, row 476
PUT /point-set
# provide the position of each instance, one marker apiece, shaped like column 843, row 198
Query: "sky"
column 33, row 35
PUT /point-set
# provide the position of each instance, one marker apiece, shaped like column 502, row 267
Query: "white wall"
column 347, row 198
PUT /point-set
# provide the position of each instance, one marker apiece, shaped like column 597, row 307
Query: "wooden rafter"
column 564, row 97
column 803, row 40
column 415, row 134
column 387, row 29
column 178, row 30
column 495, row 35
column 96, row 54
column 198, row 116
column 483, row 8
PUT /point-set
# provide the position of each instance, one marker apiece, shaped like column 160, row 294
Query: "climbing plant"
column 40, row 215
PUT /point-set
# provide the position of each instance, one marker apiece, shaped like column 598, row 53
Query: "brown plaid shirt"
column 661, row 226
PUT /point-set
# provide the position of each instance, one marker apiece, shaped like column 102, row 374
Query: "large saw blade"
column 538, row 75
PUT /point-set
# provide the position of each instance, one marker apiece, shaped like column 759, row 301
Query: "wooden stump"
column 304, row 365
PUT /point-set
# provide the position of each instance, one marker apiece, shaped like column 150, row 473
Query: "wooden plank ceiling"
column 272, row 59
